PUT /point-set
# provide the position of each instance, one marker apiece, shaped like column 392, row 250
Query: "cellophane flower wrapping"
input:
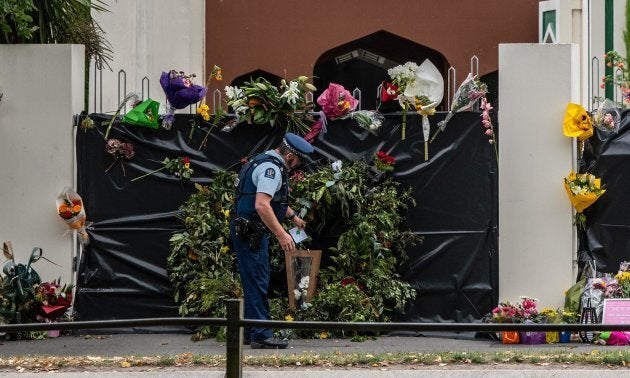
column 577, row 123
column 370, row 120
column 468, row 93
column 607, row 117
column 70, row 208
column 583, row 189
column 336, row 101
column 180, row 92
column 425, row 92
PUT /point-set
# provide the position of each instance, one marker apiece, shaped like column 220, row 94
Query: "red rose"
column 385, row 158
column 185, row 160
column 389, row 92
column 347, row 281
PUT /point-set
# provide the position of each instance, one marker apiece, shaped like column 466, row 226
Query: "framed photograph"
column 302, row 271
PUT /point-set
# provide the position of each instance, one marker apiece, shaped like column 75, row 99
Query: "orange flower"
column 63, row 208
column 76, row 208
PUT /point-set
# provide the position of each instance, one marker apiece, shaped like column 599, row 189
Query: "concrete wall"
column 536, row 81
column 148, row 37
column 43, row 89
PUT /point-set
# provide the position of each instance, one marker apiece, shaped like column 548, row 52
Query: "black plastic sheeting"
column 607, row 235
column 122, row 273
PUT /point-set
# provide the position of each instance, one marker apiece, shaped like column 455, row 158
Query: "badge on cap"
column 298, row 145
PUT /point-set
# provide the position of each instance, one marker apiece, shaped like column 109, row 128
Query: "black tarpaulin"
column 607, row 235
column 123, row 275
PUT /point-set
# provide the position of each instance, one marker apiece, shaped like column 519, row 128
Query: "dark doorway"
column 363, row 63
column 239, row 81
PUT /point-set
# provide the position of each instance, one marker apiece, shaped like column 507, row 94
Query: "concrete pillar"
column 536, row 237
column 43, row 88
column 148, row 37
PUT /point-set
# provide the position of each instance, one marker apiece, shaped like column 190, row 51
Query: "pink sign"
column 616, row 311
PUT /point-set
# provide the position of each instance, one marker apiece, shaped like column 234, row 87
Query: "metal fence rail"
column 217, row 95
column 235, row 324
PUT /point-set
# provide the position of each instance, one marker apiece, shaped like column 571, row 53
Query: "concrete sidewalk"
column 150, row 345
column 112, row 345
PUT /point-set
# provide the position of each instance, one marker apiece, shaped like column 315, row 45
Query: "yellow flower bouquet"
column 583, row 190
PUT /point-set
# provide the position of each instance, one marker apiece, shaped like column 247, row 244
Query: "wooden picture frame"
column 300, row 262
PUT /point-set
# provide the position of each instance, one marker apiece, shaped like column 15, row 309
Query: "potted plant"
column 507, row 312
column 568, row 317
column 524, row 311
column 528, row 306
column 551, row 316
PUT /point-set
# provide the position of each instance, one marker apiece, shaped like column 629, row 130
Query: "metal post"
column 234, row 333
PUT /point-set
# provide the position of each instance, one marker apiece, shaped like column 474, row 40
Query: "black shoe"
column 270, row 343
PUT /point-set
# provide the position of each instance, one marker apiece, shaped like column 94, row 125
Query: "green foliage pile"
column 201, row 266
column 361, row 283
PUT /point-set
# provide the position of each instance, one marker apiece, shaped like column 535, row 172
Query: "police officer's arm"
column 264, row 210
column 293, row 217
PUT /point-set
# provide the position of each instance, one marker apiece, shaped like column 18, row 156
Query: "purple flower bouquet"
column 180, row 92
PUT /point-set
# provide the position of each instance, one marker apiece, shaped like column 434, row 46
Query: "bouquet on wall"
column 468, row 93
column 179, row 167
column 131, row 98
column 607, row 117
column 120, row 151
column 583, row 190
column 180, row 92
column 70, row 209
column 420, row 88
column 260, row 102
column 203, row 115
column 337, row 103
column 577, row 124
column 368, row 119
column 143, row 114
column 384, row 162
column 402, row 76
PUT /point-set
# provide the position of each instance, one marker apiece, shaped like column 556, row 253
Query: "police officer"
column 260, row 207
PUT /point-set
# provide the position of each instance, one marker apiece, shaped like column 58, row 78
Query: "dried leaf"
column 7, row 249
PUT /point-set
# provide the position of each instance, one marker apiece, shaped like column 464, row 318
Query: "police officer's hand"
column 298, row 222
column 286, row 242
